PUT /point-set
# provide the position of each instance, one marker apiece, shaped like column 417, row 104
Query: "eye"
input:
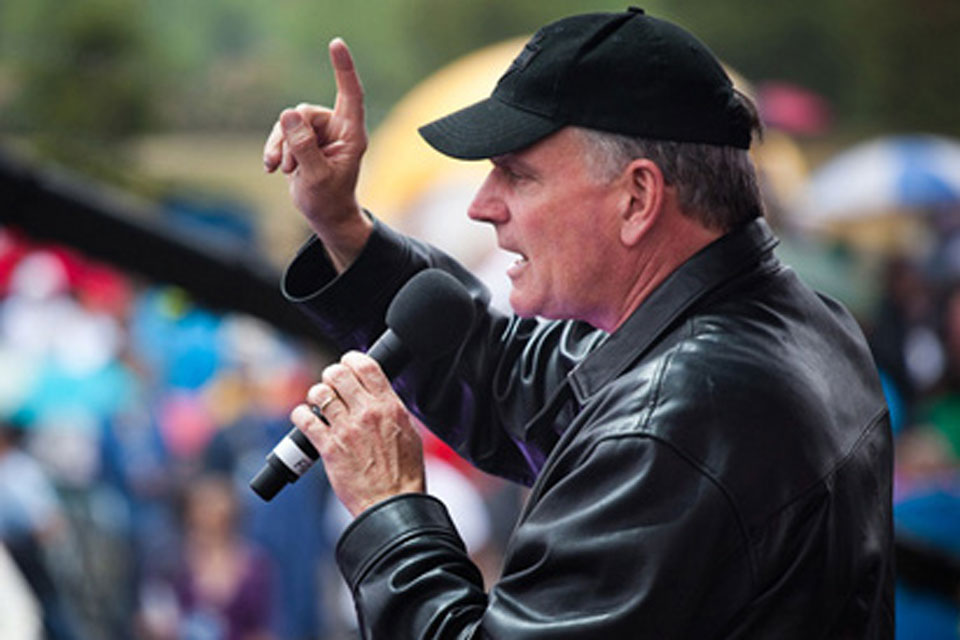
column 509, row 172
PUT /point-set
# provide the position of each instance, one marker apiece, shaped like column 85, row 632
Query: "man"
column 706, row 440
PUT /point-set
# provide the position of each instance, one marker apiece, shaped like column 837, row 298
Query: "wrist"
column 345, row 239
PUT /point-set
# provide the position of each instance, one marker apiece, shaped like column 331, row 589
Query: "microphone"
column 428, row 318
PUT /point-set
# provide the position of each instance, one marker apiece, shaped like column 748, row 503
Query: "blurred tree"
column 904, row 55
column 82, row 76
column 102, row 69
column 446, row 30
column 884, row 64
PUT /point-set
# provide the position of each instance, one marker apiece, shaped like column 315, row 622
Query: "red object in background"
column 97, row 285
column 434, row 446
column 185, row 425
column 13, row 247
column 103, row 289
column 793, row 109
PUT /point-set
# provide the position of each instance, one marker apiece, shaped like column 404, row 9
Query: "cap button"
column 633, row 9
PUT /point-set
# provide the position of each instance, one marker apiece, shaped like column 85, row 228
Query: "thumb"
column 301, row 139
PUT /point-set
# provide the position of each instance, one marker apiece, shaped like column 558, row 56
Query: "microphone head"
column 431, row 314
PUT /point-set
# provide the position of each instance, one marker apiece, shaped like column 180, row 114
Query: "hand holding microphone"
column 370, row 447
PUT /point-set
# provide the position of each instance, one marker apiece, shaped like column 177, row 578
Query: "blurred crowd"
column 915, row 336
column 131, row 421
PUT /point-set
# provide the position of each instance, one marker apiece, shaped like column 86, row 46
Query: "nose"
column 487, row 205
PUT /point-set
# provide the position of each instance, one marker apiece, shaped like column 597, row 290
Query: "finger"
column 318, row 411
column 323, row 399
column 367, row 371
column 301, row 140
column 345, row 383
column 272, row 148
column 307, row 422
column 317, row 116
column 349, row 102
column 289, row 163
column 276, row 153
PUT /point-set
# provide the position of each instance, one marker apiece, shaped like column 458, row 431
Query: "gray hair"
column 716, row 186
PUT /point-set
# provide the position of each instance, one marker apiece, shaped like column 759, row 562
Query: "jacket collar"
column 711, row 267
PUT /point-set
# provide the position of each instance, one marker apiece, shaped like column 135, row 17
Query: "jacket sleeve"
column 604, row 552
column 480, row 399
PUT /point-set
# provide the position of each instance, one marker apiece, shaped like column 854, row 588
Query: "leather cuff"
column 387, row 525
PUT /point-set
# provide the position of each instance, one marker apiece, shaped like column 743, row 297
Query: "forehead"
column 565, row 148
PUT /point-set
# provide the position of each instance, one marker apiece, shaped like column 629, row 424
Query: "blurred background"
column 148, row 361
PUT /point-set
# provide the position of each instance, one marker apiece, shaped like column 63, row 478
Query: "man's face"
column 561, row 220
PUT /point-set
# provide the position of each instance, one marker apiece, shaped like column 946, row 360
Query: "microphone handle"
column 295, row 454
column 289, row 460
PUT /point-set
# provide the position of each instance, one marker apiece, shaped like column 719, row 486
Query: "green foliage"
column 84, row 74
column 82, row 78
column 93, row 72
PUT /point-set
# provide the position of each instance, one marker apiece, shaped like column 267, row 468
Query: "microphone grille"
column 431, row 314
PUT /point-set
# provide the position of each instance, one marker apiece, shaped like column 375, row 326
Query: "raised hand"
column 319, row 149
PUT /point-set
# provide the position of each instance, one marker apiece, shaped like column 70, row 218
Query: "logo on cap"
column 530, row 51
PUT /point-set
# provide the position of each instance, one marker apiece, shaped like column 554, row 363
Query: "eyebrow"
column 511, row 161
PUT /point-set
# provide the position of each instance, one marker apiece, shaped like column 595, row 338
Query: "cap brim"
column 486, row 129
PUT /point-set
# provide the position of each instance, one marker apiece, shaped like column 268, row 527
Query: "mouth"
column 518, row 265
column 520, row 256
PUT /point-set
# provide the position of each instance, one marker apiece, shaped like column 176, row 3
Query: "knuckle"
column 399, row 414
column 331, row 374
column 300, row 416
column 372, row 416
column 356, row 436
column 301, row 139
column 317, row 393
column 325, row 448
column 361, row 363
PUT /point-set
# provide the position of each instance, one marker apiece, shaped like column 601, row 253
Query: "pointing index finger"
column 349, row 90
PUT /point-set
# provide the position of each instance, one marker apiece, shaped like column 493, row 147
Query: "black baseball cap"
column 625, row 73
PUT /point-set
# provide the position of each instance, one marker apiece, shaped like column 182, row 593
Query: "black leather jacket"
column 719, row 467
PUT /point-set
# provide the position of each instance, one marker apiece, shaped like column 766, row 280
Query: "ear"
column 645, row 186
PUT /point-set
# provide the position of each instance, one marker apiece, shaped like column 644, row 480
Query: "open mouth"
column 517, row 266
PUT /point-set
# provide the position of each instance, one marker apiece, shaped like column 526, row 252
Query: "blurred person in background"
column 268, row 374
column 30, row 522
column 19, row 611
column 940, row 406
column 222, row 588
column 927, row 495
column 904, row 337
column 706, row 438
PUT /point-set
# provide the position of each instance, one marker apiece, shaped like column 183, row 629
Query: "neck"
column 209, row 539
column 666, row 248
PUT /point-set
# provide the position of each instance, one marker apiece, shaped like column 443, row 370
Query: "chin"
column 522, row 307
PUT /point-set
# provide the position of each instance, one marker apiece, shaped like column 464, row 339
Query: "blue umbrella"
column 889, row 175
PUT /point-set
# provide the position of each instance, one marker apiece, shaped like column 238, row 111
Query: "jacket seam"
column 693, row 462
column 871, row 425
